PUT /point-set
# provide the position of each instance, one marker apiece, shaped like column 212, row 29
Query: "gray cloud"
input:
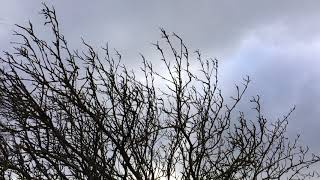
column 275, row 42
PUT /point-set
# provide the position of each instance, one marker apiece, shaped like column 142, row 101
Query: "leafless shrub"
column 76, row 115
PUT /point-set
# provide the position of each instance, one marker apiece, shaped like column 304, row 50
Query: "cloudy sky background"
column 276, row 43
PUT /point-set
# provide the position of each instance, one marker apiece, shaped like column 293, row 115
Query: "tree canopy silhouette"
column 69, row 114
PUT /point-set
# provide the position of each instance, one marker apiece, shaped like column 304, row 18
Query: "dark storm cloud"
column 275, row 42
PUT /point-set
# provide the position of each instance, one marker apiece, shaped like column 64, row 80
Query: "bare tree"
column 76, row 115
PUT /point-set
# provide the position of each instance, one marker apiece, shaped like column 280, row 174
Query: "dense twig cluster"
column 75, row 115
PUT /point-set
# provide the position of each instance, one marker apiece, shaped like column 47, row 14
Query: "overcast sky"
column 276, row 43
